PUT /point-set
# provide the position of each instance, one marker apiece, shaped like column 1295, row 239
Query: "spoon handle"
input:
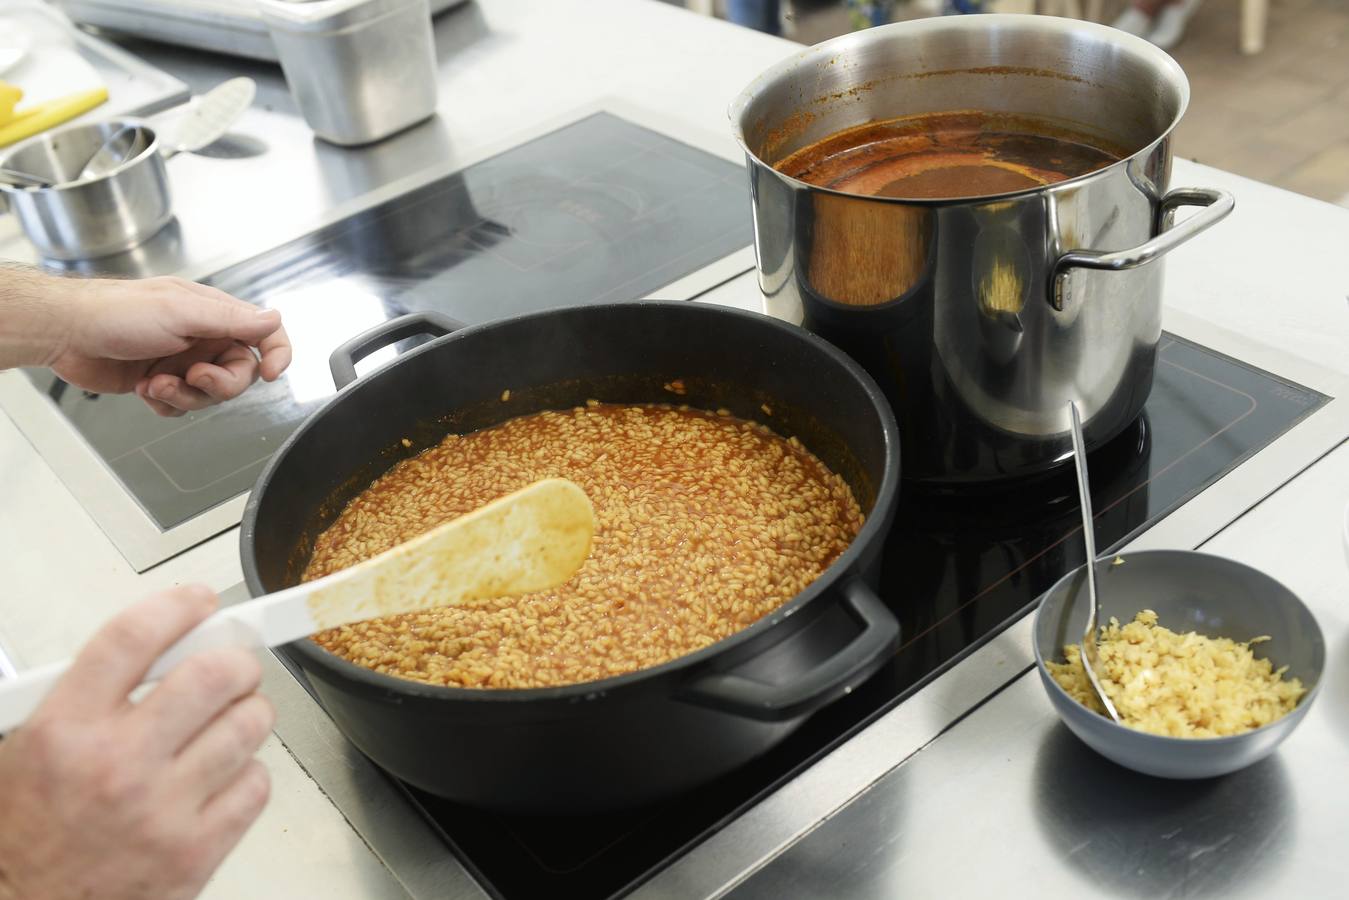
column 276, row 619
column 1088, row 646
column 1088, row 519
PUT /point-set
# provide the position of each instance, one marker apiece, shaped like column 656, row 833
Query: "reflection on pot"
column 982, row 319
column 855, row 252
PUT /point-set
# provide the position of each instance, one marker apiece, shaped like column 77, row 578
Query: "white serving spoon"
column 532, row 540
column 207, row 120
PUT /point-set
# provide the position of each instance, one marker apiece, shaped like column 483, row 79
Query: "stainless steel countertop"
column 1009, row 802
column 270, row 178
column 991, row 804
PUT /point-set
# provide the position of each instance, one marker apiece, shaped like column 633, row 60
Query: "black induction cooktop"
column 579, row 217
column 957, row 570
column 598, row 211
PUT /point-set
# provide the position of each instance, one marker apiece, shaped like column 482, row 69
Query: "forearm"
column 34, row 315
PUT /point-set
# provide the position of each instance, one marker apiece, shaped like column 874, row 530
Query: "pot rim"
column 873, row 529
column 151, row 149
column 843, row 44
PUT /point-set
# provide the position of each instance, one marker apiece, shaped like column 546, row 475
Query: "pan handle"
column 342, row 362
column 1217, row 205
column 841, row 672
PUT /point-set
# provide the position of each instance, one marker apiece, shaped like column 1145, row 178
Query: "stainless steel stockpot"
column 980, row 317
column 75, row 220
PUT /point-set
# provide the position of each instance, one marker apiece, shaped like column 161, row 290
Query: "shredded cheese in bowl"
column 1179, row 685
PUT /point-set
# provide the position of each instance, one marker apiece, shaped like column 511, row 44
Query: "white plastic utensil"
column 1088, row 647
column 528, row 541
column 210, row 117
column 203, row 124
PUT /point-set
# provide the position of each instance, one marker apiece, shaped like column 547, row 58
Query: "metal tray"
column 233, row 27
column 135, row 88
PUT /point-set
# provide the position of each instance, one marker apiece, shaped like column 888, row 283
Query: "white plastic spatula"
column 207, row 120
column 532, row 540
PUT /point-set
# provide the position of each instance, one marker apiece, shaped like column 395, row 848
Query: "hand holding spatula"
column 531, row 540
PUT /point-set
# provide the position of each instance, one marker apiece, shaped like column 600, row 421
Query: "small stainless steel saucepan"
column 74, row 219
column 102, row 186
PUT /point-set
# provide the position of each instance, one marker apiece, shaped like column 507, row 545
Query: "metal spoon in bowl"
column 15, row 178
column 1088, row 647
column 531, row 540
column 122, row 145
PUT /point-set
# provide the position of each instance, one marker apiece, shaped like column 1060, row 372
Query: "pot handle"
column 1218, row 204
column 838, row 674
column 342, row 362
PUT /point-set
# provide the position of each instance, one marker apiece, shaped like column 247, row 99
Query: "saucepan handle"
column 835, row 676
column 342, row 362
column 1217, row 205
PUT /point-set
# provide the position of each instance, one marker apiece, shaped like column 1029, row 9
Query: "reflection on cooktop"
column 956, row 570
column 598, row 211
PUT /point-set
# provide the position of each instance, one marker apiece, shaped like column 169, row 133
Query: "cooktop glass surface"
column 601, row 210
column 956, row 571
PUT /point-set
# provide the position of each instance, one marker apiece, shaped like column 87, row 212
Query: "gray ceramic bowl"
column 1189, row 591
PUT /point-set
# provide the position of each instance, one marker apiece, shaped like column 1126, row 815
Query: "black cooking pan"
column 631, row 739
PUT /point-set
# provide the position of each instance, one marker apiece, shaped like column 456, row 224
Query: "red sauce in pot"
column 948, row 155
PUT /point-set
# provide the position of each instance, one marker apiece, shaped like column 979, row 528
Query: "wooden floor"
column 1281, row 116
